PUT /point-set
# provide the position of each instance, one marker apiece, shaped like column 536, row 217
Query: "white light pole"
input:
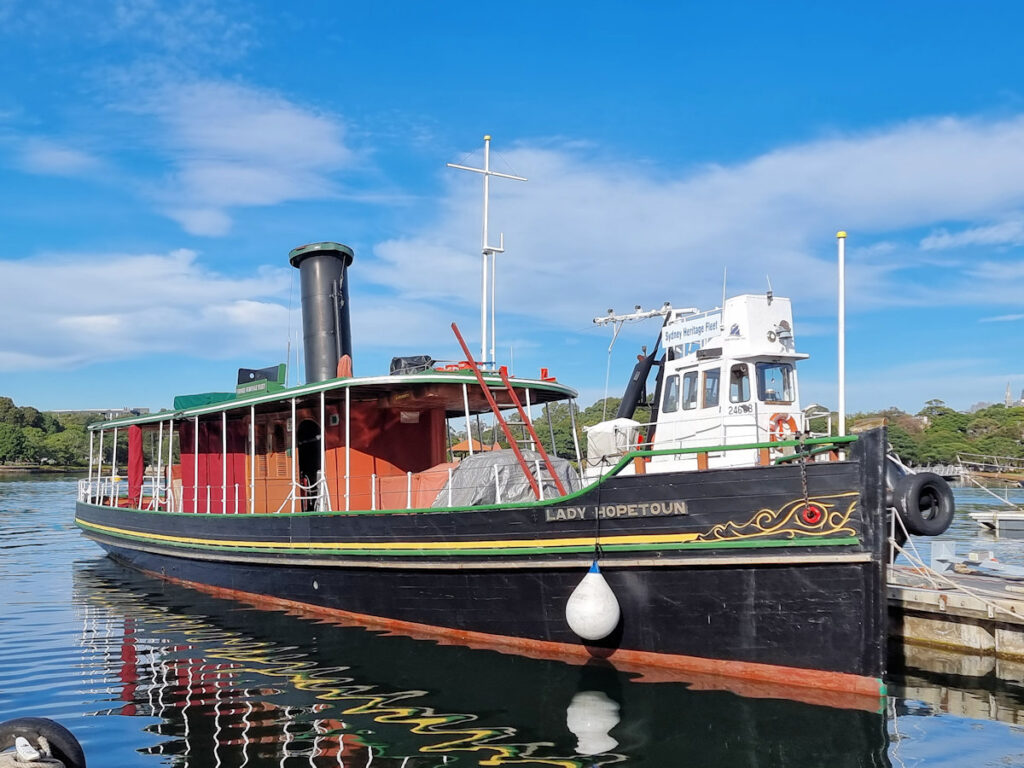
column 841, row 240
column 487, row 250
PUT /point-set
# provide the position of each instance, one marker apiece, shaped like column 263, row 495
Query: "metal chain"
column 803, row 468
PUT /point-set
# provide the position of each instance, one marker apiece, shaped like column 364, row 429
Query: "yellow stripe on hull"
column 672, row 538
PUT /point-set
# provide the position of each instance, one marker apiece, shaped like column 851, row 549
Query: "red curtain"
column 211, row 477
column 136, row 465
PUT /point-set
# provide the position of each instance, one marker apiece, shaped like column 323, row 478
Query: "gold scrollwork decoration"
column 818, row 516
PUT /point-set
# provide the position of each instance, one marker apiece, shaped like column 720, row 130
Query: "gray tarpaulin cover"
column 411, row 364
column 473, row 480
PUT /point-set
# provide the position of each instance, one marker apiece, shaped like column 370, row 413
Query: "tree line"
column 30, row 436
column 937, row 433
column 934, row 435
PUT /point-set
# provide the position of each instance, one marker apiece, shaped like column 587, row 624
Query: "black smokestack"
column 326, row 334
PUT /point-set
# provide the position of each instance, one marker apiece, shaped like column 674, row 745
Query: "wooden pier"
column 957, row 611
column 1005, row 469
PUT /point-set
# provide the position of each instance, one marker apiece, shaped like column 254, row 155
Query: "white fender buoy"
column 590, row 716
column 592, row 611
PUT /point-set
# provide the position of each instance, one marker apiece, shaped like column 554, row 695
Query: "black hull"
column 736, row 584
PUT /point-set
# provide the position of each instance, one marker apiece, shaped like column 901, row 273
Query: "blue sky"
column 159, row 160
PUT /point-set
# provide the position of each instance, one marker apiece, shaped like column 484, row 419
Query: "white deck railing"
column 381, row 492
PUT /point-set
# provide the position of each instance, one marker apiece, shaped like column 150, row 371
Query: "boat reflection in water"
column 234, row 686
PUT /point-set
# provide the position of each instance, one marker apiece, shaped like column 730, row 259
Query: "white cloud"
column 201, row 221
column 182, row 34
column 231, row 146
column 63, row 311
column 583, row 235
column 1008, row 232
column 1002, row 318
column 66, row 311
column 189, row 28
column 43, row 156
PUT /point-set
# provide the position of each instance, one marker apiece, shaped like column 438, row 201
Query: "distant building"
column 106, row 413
column 1010, row 402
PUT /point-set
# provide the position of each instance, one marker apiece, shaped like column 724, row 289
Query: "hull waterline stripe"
column 521, row 546
column 502, row 561
column 822, row 688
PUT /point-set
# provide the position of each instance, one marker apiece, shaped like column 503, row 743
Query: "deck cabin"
column 344, row 444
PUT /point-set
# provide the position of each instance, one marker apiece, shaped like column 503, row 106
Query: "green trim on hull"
column 276, row 548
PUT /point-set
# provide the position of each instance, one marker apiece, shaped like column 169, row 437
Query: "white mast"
column 841, row 240
column 487, row 250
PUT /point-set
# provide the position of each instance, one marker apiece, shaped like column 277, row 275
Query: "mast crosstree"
column 487, row 250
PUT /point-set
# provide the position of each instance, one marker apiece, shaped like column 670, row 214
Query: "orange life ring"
column 454, row 367
column 779, row 424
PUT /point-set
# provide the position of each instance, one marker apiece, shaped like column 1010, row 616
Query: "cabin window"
column 775, row 382
column 739, row 384
column 671, row 401
column 711, row 388
column 690, row 390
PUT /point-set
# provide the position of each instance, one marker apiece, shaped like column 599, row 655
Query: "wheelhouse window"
column 775, row 382
column 690, row 391
column 670, row 403
column 739, row 383
column 711, row 379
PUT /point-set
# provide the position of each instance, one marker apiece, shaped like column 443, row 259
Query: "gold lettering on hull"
column 609, row 511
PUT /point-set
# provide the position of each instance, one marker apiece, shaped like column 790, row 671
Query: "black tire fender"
column 63, row 744
column 925, row 502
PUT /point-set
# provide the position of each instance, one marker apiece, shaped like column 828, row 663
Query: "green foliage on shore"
column 29, row 436
column 937, row 433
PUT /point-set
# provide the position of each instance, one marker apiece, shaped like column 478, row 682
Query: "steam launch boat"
column 719, row 543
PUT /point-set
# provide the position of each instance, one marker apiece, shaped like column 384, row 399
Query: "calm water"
column 148, row 674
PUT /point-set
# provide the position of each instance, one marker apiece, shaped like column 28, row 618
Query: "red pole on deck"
column 497, row 414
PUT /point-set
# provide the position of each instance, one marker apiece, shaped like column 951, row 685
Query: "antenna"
column 641, row 314
column 638, row 313
column 487, row 250
column 770, row 294
column 725, row 274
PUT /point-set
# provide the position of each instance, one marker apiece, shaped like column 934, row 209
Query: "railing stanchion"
column 575, row 437
column 348, row 448
column 252, row 459
column 99, row 470
column 113, row 461
column 91, row 436
column 469, row 423
column 295, row 458
column 195, row 466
